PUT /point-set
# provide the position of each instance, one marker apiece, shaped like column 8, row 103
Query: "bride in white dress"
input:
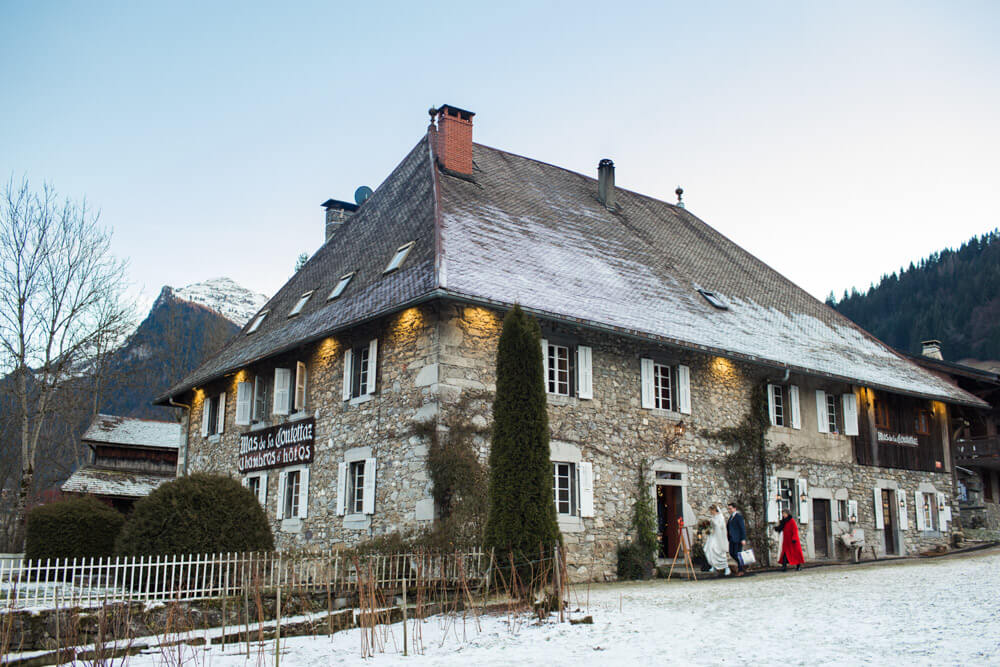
column 716, row 544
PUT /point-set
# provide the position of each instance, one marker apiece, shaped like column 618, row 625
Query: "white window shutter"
column 300, row 385
column 770, row 404
column 342, row 471
column 646, row 374
column 585, row 470
column 803, row 501
column 918, row 505
column 850, row 403
column 584, row 372
column 372, row 365
column 206, row 409
column 282, row 385
column 793, row 400
column 684, row 389
column 822, row 416
column 944, row 512
column 545, row 363
column 262, row 491
column 220, row 423
column 282, row 480
column 348, row 371
column 244, row 394
column 903, row 512
column 304, row 493
column 368, row 501
column 246, row 481
column 879, row 519
column 852, row 511
column 772, row 500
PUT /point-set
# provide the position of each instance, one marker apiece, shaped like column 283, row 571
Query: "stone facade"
column 429, row 355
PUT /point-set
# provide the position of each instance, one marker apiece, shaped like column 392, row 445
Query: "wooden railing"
column 88, row 582
column 980, row 447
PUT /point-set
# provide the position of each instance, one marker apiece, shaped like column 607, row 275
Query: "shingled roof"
column 523, row 231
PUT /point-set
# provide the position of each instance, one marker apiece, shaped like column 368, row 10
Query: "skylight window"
column 300, row 304
column 714, row 299
column 341, row 286
column 398, row 258
column 257, row 322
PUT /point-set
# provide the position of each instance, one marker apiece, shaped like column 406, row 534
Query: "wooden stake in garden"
column 682, row 544
column 277, row 629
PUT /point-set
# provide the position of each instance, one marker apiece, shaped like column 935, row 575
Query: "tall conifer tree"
column 522, row 513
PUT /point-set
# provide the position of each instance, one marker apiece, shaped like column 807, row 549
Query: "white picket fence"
column 89, row 582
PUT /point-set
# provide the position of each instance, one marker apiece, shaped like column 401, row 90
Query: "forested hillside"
column 953, row 296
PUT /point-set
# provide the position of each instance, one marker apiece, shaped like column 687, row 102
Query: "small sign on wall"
column 278, row 446
column 887, row 438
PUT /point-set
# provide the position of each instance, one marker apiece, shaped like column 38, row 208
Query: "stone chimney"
column 606, row 183
column 932, row 349
column 453, row 146
column 337, row 213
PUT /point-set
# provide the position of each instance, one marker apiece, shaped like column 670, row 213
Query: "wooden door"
column 821, row 527
column 668, row 511
column 889, row 521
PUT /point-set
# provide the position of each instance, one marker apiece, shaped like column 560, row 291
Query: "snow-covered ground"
column 940, row 611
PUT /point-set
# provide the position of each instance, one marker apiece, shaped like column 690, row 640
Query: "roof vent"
column 714, row 299
column 932, row 349
column 606, row 183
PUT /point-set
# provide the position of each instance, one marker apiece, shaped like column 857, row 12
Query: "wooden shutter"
column 852, row 511
column 206, row 410
column 770, row 404
column 879, row 519
column 918, row 504
column 793, row 400
column 850, row 403
column 944, row 512
column 244, row 394
column 585, row 471
column 904, row 513
column 348, row 371
column 684, row 389
column 372, row 365
column 262, row 491
column 304, row 493
column 282, row 386
column 803, row 491
column 822, row 416
column 368, row 502
column 772, row 500
column 300, row 386
column 646, row 376
column 220, row 422
column 282, row 480
column 342, row 472
column 584, row 372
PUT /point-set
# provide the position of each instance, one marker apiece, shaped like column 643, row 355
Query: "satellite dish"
column 362, row 194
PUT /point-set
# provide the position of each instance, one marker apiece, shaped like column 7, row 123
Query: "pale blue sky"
column 834, row 140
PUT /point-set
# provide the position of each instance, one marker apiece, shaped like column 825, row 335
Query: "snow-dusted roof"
column 105, row 482
column 522, row 231
column 114, row 430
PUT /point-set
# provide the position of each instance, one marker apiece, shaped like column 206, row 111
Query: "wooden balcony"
column 979, row 450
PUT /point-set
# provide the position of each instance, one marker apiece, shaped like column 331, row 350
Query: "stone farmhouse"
column 656, row 329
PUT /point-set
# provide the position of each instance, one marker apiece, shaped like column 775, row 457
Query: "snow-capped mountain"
column 223, row 295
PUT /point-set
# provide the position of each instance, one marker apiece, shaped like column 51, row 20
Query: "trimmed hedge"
column 78, row 527
column 196, row 514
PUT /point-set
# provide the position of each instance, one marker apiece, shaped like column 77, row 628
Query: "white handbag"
column 746, row 557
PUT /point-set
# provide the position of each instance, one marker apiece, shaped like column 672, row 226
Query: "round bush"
column 77, row 527
column 197, row 514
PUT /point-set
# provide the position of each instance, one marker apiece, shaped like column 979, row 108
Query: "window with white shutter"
column 683, row 389
column 586, row 474
column 584, row 372
column 359, row 370
column 282, row 388
column 850, row 404
column 776, row 404
column 261, row 391
column 257, row 483
column 803, row 499
column 300, row 386
column 822, row 419
column 564, row 488
column 793, row 405
column 370, row 471
column 879, row 517
column 244, row 396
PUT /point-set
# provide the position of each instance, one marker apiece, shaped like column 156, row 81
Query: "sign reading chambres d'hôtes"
column 278, row 446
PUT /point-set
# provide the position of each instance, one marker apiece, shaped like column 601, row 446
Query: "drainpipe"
column 185, row 422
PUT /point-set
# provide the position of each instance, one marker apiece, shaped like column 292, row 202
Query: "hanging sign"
column 885, row 437
column 278, row 446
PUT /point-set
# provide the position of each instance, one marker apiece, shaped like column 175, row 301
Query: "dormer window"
column 398, row 258
column 714, row 299
column 300, row 304
column 341, row 286
column 257, row 322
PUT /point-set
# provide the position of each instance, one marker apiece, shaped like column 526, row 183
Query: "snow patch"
column 223, row 295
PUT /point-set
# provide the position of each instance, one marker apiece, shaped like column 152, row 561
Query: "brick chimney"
column 337, row 213
column 453, row 146
column 606, row 183
column 932, row 349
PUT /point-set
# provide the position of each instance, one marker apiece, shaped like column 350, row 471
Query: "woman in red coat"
column 791, row 547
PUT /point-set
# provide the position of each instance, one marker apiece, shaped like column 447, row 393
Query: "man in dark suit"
column 736, row 528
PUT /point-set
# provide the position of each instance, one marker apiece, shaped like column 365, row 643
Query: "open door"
column 889, row 521
column 668, row 511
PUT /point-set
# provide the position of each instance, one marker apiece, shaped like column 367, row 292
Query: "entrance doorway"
column 668, row 510
column 821, row 527
column 889, row 520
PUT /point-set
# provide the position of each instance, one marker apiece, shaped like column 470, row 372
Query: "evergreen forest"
column 952, row 296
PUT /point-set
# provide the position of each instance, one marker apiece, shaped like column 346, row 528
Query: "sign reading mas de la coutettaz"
column 278, row 446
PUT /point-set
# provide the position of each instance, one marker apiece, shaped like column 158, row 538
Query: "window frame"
column 779, row 406
column 566, row 471
column 259, row 411
column 882, row 417
column 360, row 368
column 301, row 303
column 355, row 499
column 843, row 510
column 258, row 320
column 214, row 403
column 833, row 413
column 792, row 500
column 930, row 510
column 292, row 501
column 341, row 285
column 922, row 422
column 713, row 299
column 552, row 379
column 671, row 386
column 399, row 257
